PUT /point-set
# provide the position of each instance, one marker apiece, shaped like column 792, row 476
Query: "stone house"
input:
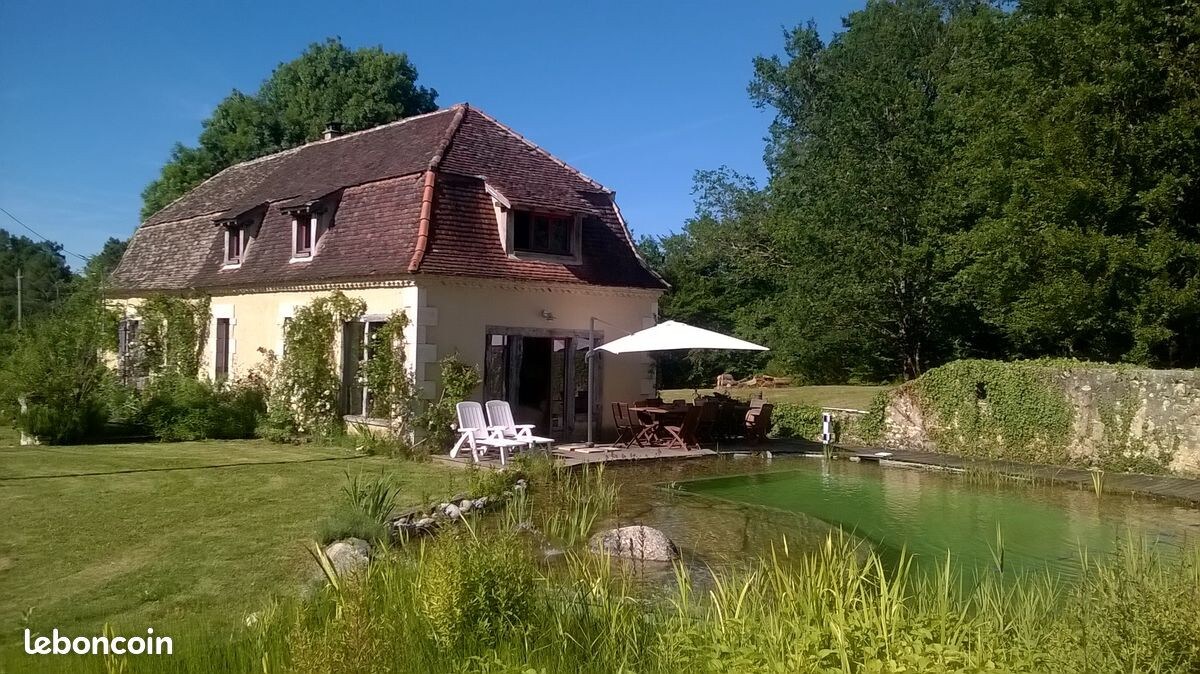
column 495, row 249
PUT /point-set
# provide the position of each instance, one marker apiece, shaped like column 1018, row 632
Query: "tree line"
column 958, row 178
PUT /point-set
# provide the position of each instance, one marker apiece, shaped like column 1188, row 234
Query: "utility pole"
column 18, row 298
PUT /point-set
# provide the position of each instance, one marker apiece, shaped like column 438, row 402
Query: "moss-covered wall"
column 1059, row 412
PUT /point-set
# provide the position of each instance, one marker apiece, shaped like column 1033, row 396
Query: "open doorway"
column 543, row 376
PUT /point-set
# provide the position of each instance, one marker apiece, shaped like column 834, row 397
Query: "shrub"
column 349, row 521
column 363, row 510
column 458, row 380
column 54, row 384
column 304, row 391
column 181, row 408
column 794, row 420
column 476, row 588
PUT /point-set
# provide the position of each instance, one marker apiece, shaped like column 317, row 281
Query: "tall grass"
column 475, row 600
column 577, row 500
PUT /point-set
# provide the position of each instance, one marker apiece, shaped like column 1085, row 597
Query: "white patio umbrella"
column 670, row 335
column 667, row 336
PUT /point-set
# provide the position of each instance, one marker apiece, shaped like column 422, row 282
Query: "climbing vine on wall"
column 385, row 375
column 459, row 379
column 1122, row 450
column 997, row 410
column 172, row 334
column 304, row 394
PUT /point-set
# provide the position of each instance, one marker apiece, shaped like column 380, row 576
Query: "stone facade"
column 1130, row 415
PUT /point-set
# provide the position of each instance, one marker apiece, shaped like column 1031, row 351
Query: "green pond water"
column 718, row 516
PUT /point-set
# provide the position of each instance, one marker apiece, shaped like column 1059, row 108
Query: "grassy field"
column 842, row 397
column 160, row 534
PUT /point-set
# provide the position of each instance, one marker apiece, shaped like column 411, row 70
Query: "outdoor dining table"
column 660, row 415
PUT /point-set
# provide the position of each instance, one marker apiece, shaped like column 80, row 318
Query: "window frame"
column 317, row 222
column 242, row 232
column 529, row 248
column 222, row 358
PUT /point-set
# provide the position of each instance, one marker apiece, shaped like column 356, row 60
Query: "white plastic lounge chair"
column 501, row 418
column 475, row 434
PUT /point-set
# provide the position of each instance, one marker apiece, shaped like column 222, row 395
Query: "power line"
column 38, row 234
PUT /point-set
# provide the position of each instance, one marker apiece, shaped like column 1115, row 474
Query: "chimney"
column 332, row 130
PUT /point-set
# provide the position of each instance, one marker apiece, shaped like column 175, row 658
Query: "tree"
column 359, row 88
column 54, row 382
column 965, row 178
column 712, row 266
column 45, row 277
column 103, row 263
column 857, row 135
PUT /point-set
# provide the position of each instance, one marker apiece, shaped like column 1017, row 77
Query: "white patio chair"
column 474, row 434
column 501, row 417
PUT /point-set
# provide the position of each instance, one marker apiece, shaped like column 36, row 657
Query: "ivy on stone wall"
column 996, row 410
column 385, row 374
column 304, row 394
column 870, row 428
column 172, row 335
column 1122, row 450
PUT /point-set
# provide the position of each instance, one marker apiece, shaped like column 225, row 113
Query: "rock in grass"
column 452, row 511
column 348, row 554
column 635, row 542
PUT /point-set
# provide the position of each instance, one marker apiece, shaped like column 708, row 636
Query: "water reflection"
column 723, row 512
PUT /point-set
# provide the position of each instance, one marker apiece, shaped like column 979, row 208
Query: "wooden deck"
column 577, row 454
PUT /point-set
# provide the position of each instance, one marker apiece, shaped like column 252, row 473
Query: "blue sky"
column 636, row 95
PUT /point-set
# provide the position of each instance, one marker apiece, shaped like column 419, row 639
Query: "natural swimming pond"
column 718, row 515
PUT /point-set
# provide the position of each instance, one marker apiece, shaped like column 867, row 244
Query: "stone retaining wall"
column 1122, row 416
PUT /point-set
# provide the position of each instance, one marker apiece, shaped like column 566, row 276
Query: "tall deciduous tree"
column 359, row 88
column 967, row 178
column 857, row 136
column 103, row 263
column 45, row 277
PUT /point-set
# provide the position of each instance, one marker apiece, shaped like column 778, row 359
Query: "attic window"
column 307, row 229
column 235, row 243
column 302, row 240
column 543, row 233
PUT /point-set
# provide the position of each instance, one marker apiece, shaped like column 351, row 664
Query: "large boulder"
column 635, row 542
column 348, row 555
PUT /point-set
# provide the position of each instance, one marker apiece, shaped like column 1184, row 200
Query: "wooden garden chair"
column 758, row 423
column 683, row 436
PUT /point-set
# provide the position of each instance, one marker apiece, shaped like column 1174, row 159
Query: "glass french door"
column 543, row 376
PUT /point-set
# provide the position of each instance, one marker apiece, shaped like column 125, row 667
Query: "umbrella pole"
column 591, row 378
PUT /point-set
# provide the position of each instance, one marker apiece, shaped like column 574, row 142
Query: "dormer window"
column 544, row 233
column 239, row 227
column 308, row 226
column 236, row 237
column 302, row 236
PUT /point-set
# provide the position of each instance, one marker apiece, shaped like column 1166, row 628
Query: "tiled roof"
column 373, row 182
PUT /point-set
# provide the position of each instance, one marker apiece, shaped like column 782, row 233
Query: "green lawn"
column 162, row 534
column 843, row 397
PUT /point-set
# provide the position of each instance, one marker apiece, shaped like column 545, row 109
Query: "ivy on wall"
column 385, row 374
column 172, row 335
column 459, row 379
column 305, row 387
column 1122, row 450
column 992, row 409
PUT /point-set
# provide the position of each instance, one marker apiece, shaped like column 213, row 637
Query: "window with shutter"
column 222, row 353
